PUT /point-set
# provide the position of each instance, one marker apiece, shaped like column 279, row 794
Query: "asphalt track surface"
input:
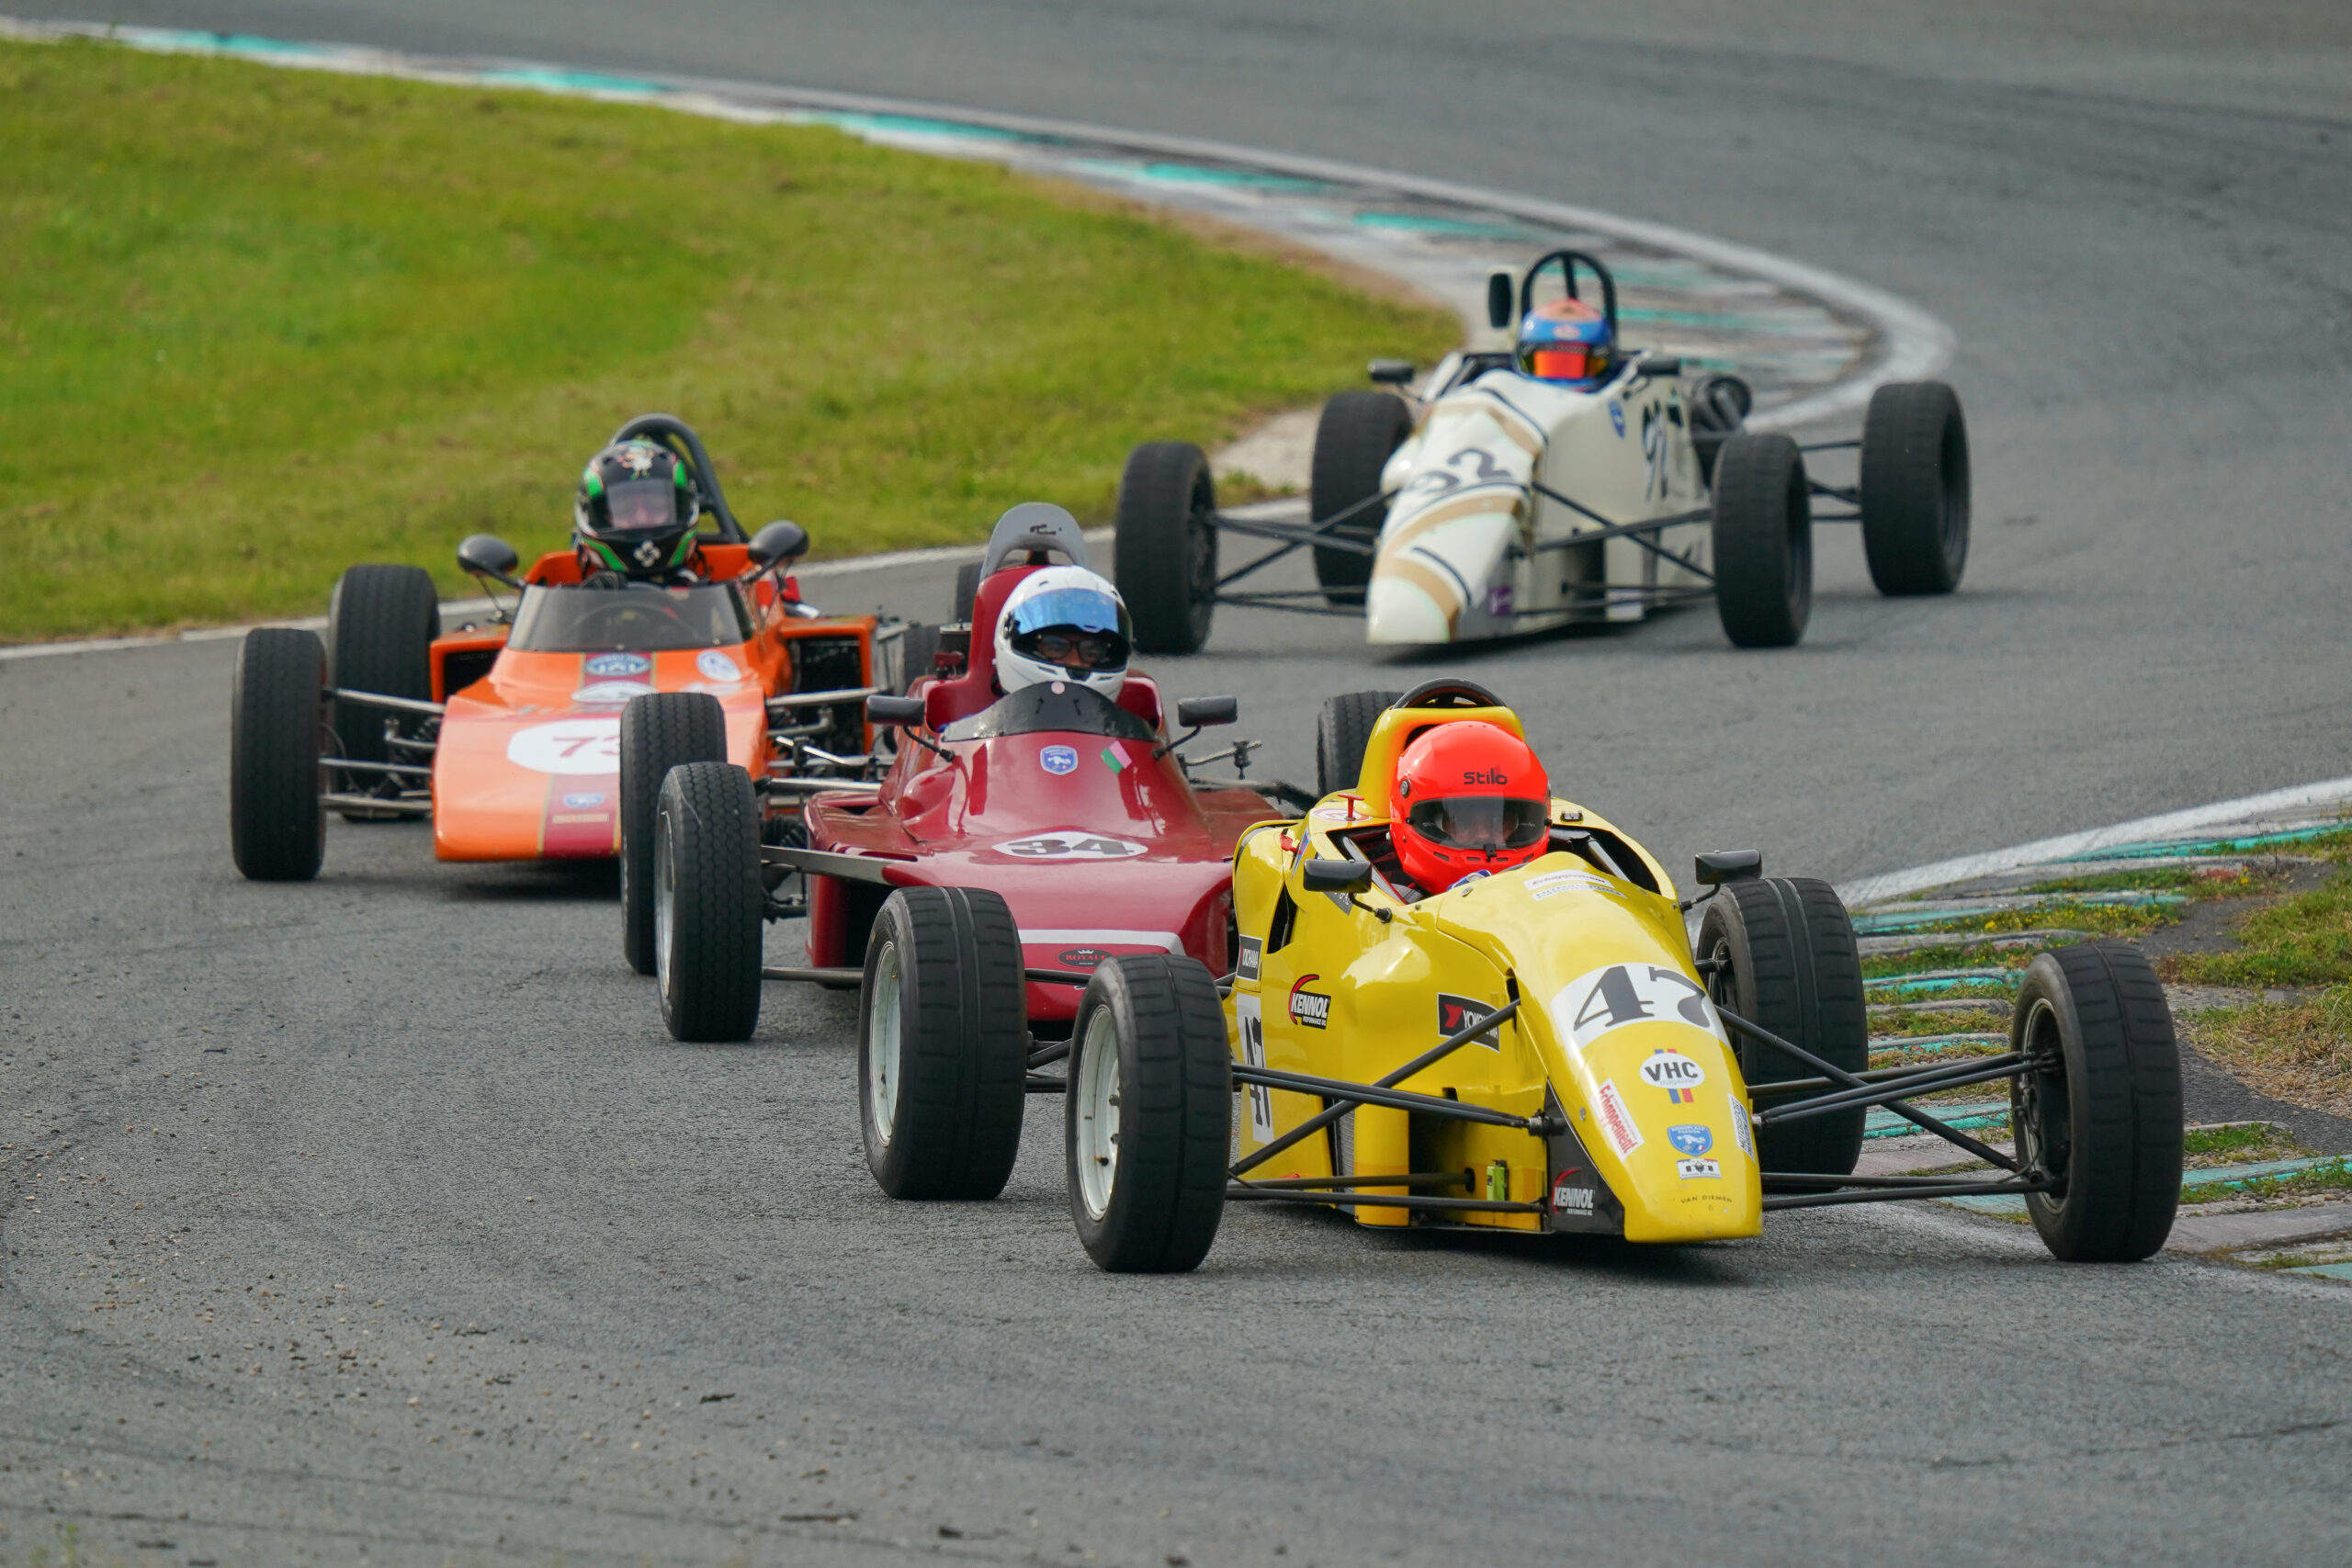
column 435, row 1089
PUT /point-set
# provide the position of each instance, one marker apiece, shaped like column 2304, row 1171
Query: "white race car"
column 1504, row 503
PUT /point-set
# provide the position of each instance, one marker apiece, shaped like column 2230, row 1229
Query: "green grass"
column 1958, row 955
column 2248, row 1143
column 256, row 325
column 1988, row 1020
column 2199, row 881
column 2098, row 919
column 2303, row 940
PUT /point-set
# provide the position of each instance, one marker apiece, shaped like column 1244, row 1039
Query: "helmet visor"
column 1087, row 609
column 1481, row 821
column 1562, row 362
column 637, row 505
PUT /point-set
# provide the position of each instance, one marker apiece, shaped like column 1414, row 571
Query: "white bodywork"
column 1469, row 551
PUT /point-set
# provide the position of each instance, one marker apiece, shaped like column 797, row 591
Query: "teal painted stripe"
column 2207, row 846
column 1711, row 319
column 1424, row 223
column 2241, row 1175
column 1947, row 982
column 1992, row 1203
column 2324, row 1270
column 1885, row 1045
column 1882, row 1124
column 569, row 81
column 917, row 125
column 1196, row 175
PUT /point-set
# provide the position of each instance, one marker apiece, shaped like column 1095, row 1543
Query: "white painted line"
column 1167, row 939
column 1871, row 890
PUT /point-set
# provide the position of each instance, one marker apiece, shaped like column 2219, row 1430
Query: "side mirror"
column 1501, row 294
column 892, row 710
column 778, row 541
column 1661, row 365
column 1199, row 713
column 1391, row 372
column 1336, row 875
column 1728, row 865
column 487, row 555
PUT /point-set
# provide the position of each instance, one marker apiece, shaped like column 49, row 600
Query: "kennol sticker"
column 1622, row 994
column 568, row 746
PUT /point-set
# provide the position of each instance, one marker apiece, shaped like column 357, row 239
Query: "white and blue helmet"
column 1064, row 624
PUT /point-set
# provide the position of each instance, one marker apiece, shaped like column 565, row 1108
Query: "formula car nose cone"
column 1400, row 611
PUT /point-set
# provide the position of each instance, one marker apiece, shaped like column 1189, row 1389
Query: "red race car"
column 1028, row 824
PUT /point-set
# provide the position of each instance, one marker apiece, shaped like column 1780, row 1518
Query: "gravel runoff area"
column 436, row 1089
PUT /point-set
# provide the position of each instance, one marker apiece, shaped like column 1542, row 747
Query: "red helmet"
column 1469, row 796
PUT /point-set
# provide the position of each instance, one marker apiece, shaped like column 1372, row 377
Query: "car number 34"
column 1069, row 844
column 1603, row 999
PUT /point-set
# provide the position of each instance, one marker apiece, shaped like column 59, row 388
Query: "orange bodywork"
column 527, row 765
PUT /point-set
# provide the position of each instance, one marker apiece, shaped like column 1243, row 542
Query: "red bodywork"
column 528, row 761
column 1117, row 854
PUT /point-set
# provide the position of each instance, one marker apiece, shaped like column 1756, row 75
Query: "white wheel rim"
column 1098, row 1113
column 882, row 1044
column 665, row 879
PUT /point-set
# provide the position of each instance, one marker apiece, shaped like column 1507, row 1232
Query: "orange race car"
column 518, row 737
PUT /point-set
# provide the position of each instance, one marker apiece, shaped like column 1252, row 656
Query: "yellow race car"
column 1548, row 1050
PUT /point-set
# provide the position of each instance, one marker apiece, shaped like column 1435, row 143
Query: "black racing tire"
column 1165, row 551
column 967, row 589
column 276, row 712
column 1356, row 435
column 382, row 621
column 658, row 731
column 1794, row 969
column 707, row 902
column 1915, row 488
column 1147, row 1118
column 943, row 1043
column 918, row 654
column 2106, row 1121
column 1341, row 731
column 1763, row 541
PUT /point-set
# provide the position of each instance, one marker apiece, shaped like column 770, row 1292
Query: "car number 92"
column 1601, row 1000
column 1068, row 844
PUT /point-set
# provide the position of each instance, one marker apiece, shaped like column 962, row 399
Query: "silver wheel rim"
column 665, row 880
column 882, row 1044
column 1098, row 1113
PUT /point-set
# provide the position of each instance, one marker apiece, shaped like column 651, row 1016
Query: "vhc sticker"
column 1247, row 1014
column 1602, row 999
column 717, row 666
column 1691, row 1139
column 612, row 664
column 1675, row 1073
column 1058, row 760
column 1253, row 949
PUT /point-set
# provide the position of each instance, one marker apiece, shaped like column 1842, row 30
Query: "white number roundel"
column 568, row 746
column 1596, row 1002
column 1069, row 843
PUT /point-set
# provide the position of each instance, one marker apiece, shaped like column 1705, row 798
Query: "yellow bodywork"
column 1614, row 1023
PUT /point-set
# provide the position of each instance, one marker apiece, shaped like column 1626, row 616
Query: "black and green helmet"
column 637, row 510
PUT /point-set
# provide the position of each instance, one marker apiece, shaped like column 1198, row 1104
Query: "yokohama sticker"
column 1602, row 999
column 1253, row 1051
column 1616, row 1120
column 1253, row 949
column 1456, row 1014
column 583, row 746
column 1312, row 1009
column 1069, row 843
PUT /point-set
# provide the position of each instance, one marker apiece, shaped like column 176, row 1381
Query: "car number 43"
column 1602, row 999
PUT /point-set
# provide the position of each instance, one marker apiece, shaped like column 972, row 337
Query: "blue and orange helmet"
column 1569, row 341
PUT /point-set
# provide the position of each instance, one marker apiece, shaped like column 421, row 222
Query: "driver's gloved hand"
column 606, row 579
